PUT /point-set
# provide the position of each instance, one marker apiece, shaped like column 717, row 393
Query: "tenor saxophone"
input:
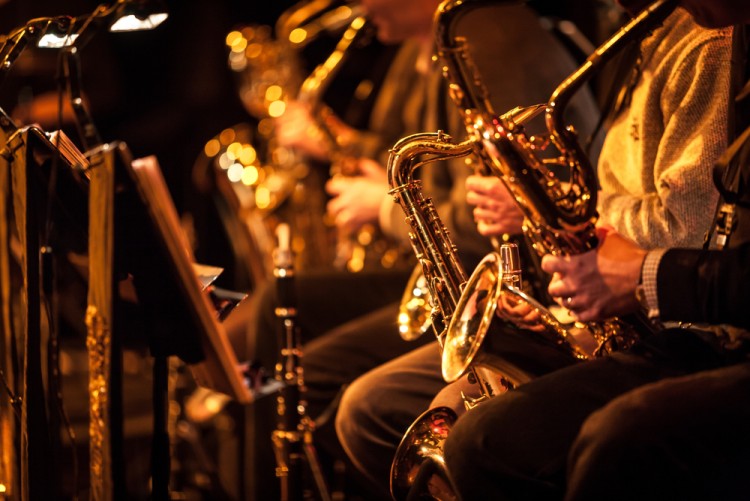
column 420, row 452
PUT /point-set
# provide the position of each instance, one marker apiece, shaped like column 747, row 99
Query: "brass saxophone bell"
column 419, row 464
column 491, row 310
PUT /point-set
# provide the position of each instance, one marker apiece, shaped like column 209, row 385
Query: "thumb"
column 334, row 186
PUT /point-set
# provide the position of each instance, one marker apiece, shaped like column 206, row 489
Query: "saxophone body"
column 365, row 247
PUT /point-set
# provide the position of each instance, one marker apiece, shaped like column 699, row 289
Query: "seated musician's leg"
column 516, row 446
column 680, row 438
column 332, row 361
column 378, row 408
column 355, row 294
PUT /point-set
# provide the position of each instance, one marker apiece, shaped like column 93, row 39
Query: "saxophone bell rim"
column 459, row 352
column 433, row 425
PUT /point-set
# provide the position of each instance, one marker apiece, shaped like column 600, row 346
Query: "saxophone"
column 365, row 246
column 259, row 182
column 444, row 276
column 559, row 219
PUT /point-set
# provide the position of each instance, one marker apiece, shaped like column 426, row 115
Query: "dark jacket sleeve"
column 711, row 287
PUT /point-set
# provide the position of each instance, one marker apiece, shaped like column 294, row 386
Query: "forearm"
column 677, row 217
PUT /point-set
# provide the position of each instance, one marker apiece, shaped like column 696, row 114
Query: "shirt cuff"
column 649, row 270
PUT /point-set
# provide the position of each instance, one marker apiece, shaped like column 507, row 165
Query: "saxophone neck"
column 413, row 151
column 633, row 32
column 315, row 85
column 467, row 91
column 306, row 20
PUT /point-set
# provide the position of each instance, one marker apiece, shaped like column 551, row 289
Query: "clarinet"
column 292, row 439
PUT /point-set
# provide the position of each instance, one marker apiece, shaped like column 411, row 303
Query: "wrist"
column 646, row 290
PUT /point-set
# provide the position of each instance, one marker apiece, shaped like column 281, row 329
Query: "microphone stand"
column 292, row 439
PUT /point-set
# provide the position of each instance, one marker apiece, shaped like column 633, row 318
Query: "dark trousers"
column 666, row 420
column 379, row 407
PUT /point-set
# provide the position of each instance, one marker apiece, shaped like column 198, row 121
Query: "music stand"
column 29, row 153
column 170, row 287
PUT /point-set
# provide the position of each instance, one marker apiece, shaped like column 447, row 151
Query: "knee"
column 355, row 411
column 460, row 448
column 611, row 438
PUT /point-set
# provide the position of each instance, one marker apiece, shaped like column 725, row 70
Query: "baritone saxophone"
column 560, row 216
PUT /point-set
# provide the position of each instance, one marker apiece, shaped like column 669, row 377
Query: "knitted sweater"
column 656, row 162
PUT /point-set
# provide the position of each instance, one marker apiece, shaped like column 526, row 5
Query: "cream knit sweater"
column 656, row 161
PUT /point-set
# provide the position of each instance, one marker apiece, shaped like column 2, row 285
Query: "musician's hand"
column 598, row 284
column 297, row 129
column 495, row 210
column 356, row 199
column 519, row 313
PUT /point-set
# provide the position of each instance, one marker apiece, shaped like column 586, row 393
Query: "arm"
column 692, row 285
column 656, row 164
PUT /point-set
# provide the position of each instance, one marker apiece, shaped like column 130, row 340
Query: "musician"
column 646, row 213
column 510, row 34
column 665, row 419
